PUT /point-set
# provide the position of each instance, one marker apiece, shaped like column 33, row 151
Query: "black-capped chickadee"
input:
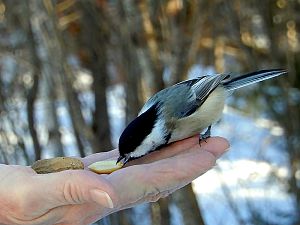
column 181, row 111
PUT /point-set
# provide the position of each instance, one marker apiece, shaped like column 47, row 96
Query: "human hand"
column 82, row 197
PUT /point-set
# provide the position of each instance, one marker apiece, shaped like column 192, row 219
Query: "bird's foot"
column 203, row 137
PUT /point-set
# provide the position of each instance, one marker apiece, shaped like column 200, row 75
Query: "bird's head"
column 143, row 135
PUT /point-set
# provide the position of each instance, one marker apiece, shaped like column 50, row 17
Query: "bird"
column 181, row 111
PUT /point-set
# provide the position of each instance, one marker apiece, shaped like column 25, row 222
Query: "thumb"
column 74, row 187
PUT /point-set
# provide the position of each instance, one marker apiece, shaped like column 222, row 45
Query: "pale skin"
column 83, row 197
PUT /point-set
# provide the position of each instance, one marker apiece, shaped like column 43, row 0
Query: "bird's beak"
column 125, row 159
column 119, row 159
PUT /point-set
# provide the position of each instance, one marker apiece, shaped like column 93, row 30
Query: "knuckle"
column 71, row 189
column 152, row 190
column 153, row 198
column 156, row 197
column 166, row 193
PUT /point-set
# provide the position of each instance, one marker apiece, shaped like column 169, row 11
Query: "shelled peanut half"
column 68, row 163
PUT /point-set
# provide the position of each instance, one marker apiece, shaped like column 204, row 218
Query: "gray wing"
column 204, row 87
column 181, row 87
column 191, row 82
column 184, row 98
column 200, row 91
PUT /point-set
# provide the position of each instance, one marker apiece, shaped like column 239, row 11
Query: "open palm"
column 82, row 197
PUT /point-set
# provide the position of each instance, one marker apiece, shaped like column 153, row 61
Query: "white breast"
column 152, row 141
column 209, row 112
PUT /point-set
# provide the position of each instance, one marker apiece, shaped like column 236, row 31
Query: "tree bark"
column 32, row 93
column 186, row 201
column 96, row 46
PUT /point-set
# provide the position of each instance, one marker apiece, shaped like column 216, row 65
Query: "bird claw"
column 203, row 137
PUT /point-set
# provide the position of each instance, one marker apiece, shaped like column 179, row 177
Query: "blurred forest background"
column 64, row 64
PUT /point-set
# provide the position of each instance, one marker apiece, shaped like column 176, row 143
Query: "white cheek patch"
column 152, row 141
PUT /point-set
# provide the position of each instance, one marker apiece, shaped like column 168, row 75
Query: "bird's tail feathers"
column 252, row 78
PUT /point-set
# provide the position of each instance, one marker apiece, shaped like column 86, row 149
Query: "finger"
column 166, row 152
column 114, row 154
column 86, row 213
column 179, row 170
column 142, row 181
column 163, row 153
column 215, row 145
column 67, row 188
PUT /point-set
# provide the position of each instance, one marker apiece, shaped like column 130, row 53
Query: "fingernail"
column 102, row 198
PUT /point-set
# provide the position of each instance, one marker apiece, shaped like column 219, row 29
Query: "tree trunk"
column 32, row 93
column 101, row 120
column 97, row 63
column 186, row 201
column 160, row 213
